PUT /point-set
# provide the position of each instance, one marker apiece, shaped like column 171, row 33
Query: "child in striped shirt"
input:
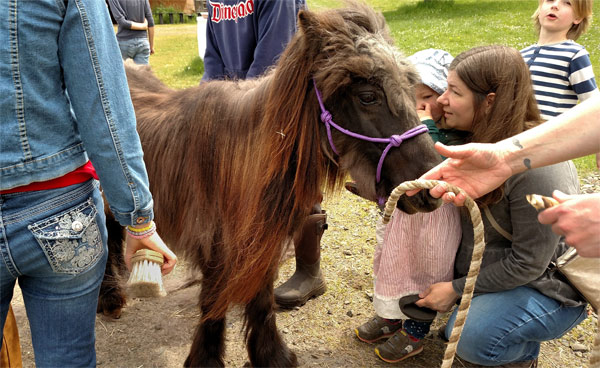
column 560, row 68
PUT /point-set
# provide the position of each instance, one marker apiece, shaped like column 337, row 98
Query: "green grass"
column 586, row 165
column 176, row 55
column 452, row 25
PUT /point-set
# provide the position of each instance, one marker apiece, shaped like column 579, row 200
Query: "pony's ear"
column 309, row 24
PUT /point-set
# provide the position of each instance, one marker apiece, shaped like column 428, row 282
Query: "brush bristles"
column 145, row 280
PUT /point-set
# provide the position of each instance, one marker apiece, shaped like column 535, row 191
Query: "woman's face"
column 458, row 104
column 425, row 95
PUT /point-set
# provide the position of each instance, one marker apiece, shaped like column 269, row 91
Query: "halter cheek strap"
column 393, row 141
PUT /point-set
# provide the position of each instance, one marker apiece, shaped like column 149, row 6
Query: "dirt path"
column 158, row 332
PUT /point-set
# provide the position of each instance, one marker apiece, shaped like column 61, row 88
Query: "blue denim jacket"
column 64, row 99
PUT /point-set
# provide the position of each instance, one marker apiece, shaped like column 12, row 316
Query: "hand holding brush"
column 148, row 257
column 577, row 217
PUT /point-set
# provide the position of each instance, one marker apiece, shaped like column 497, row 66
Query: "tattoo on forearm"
column 517, row 143
column 526, row 162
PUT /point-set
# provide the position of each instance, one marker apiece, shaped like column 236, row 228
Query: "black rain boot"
column 307, row 281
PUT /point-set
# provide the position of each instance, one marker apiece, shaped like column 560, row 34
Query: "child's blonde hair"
column 581, row 8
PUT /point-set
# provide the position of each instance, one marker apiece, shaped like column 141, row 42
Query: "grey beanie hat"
column 432, row 65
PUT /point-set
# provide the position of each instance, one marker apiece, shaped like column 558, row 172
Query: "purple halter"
column 393, row 141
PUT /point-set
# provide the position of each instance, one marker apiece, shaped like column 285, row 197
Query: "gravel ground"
column 158, row 332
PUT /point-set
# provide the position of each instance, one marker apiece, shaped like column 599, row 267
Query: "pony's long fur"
column 235, row 166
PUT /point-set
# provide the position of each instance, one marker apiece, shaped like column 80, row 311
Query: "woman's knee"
column 478, row 345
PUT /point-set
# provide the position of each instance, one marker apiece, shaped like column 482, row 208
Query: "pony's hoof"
column 193, row 362
column 114, row 313
column 111, row 305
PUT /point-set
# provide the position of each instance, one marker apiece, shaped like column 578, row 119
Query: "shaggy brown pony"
column 235, row 166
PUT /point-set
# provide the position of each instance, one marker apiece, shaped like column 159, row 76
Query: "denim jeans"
column 137, row 49
column 54, row 243
column 509, row 326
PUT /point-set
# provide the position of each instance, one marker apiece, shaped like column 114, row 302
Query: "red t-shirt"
column 79, row 175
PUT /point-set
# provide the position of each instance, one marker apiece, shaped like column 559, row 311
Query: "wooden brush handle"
column 149, row 255
column 540, row 202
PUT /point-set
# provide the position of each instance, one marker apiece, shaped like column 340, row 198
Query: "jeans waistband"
column 79, row 191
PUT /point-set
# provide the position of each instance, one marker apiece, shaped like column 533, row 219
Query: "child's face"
column 557, row 16
column 425, row 95
column 458, row 103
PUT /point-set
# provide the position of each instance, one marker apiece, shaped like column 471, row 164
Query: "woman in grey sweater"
column 519, row 301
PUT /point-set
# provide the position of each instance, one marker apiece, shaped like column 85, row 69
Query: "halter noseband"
column 393, row 141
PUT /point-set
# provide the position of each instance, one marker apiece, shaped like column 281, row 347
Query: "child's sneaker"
column 399, row 347
column 376, row 329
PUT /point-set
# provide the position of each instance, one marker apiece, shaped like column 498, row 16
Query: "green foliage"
column 165, row 10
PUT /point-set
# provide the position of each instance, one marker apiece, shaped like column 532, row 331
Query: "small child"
column 416, row 250
column 560, row 68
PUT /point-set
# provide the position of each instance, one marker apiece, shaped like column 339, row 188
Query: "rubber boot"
column 307, row 281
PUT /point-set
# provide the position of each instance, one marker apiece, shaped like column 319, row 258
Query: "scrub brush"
column 145, row 280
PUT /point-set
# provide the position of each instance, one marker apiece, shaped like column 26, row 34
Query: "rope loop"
column 478, row 249
column 326, row 117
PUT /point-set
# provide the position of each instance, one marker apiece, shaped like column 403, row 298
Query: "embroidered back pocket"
column 71, row 239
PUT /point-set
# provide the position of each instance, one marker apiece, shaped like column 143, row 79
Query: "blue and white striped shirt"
column 561, row 74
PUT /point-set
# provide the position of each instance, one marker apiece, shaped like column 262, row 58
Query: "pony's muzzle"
column 420, row 202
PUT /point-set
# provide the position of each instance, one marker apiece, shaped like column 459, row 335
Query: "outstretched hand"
column 153, row 242
column 476, row 168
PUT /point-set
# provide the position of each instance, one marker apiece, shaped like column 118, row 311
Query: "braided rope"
column 476, row 257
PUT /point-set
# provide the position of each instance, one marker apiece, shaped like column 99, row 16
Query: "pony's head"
column 368, row 87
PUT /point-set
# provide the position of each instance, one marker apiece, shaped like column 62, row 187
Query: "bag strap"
column 492, row 220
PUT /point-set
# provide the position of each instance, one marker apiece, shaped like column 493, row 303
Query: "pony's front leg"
column 265, row 346
column 208, row 347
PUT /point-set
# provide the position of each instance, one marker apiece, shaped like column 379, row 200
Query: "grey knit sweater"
column 524, row 261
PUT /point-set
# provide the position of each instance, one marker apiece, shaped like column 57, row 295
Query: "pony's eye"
column 367, row 98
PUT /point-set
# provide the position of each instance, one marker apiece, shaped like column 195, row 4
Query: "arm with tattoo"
column 480, row 168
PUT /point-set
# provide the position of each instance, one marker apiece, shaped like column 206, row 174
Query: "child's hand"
column 442, row 124
column 424, row 111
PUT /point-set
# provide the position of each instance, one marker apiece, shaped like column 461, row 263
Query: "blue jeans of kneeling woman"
column 54, row 243
column 509, row 326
